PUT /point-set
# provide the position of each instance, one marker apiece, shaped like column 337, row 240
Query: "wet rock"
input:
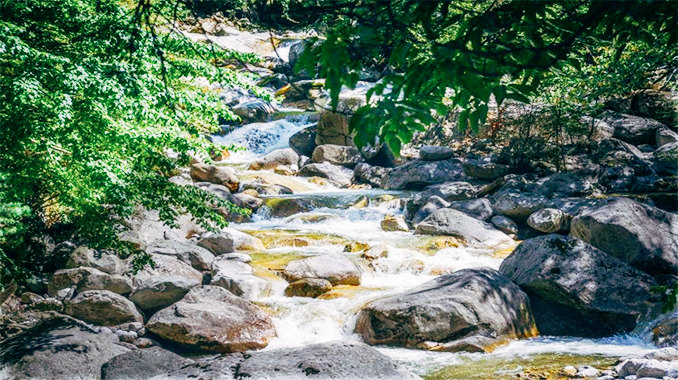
column 308, row 287
column 237, row 277
column 254, row 110
column 211, row 318
column 286, row 170
column 103, row 261
column 303, row 142
column 666, row 136
column 517, row 206
column 285, row 207
column 102, row 307
column 466, row 303
column 230, row 240
column 450, row 191
column 632, row 129
column 505, row 224
column 478, row 208
column 142, row 364
column 375, row 251
column 455, row 223
column 337, row 269
column 246, row 201
column 58, row 348
column 338, row 174
column 435, row 153
column 434, row 203
column 242, row 257
column 220, row 175
column 394, row 223
column 372, row 175
column 547, row 220
column 641, row 235
column 665, row 332
column 165, row 284
column 666, row 159
column 658, row 364
column 418, row 174
column 197, row 257
column 286, row 156
column 576, row 289
column 347, row 156
column 484, row 169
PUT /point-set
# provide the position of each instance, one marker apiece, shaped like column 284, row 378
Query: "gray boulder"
column 484, row 169
column 561, row 185
column 220, row 175
column 547, row 220
column 254, row 110
column 632, row 129
column 517, row 206
column 644, row 236
column 303, row 142
column 102, row 307
column 101, row 260
column 435, row 153
column 455, row 223
column 372, row 175
column 480, row 208
column 439, row 313
column 286, row 156
column 347, row 156
column 666, row 136
column 337, row 269
column 665, row 332
column 577, row 289
column 165, row 284
column 58, row 348
column 666, row 159
column 237, row 277
column 98, row 280
column 323, row 361
column 211, row 318
column 142, row 364
column 229, row 240
column 338, row 174
column 418, row 174
column 197, row 257
column 434, row 203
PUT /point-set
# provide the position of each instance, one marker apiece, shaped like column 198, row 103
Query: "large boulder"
column 254, row 110
column 666, row 159
column 85, row 278
column 665, row 332
column 479, row 208
column 230, row 240
column 666, row 136
column 484, row 169
column 435, row 153
column 434, row 203
column 347, row 156
column 165, row 284
column 142, row 364
column 103, row 307
column 577, row 289
column 517, row 206
column 323, row 361
column 372, row 175
column 333, row 124
column 220, row 175
column 101, row 260
column 58, row 348
column 303, row 142
column 198, row 257
column 561, row 185
column 644, row 236
column 455, row 223
column 449, row 191
column 418, row 174
column 449, row 312
column 338, row 174
column 237, row 277
column 308, row 287
column 336, row 268
column 286, row 156
column 211, row 318
column 547, row 220
column 632, row 129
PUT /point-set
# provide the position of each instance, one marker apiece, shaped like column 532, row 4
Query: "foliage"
column 462, row 55
column 97, row 110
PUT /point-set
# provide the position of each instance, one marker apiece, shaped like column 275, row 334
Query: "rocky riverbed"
column 442, row 264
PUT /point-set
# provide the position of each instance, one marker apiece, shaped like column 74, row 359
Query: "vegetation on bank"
column 99, row 105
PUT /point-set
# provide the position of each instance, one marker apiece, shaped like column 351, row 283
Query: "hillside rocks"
column 102, row 307
column 338, row 174
column 455, row 223
column 85, row 278
column 484, row 169
column 666, row 136
column 577, row 289
column 103, row 261
column 337, row 269
column 347, row 156
column 632, row 129
column 211, row 318
column 448, row 311
column 58, row 348
column 220, row 175
column 435, row 153
column 418, row 174
column 286, row 156
column 643, row 236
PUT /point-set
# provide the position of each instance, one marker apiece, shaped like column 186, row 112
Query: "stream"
column 343, row 216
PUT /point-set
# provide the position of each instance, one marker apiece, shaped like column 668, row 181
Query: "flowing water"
column 341, row 217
